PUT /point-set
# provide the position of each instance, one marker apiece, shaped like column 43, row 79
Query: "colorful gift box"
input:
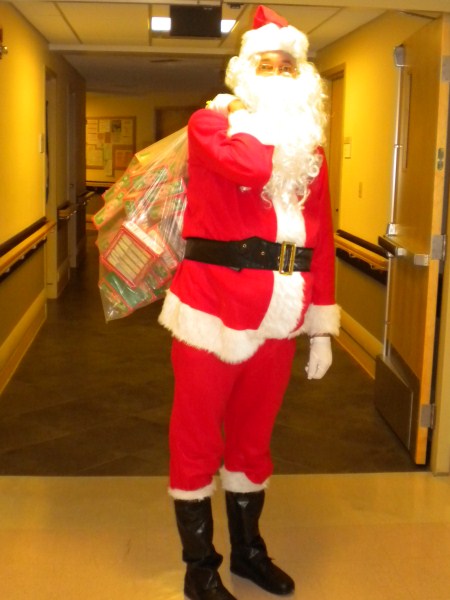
column 113, row 304
column 133, row 298
column 114, row 209
column 131, row 253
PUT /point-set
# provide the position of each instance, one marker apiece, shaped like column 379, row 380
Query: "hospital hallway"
column 94, row 398
column 84, row 510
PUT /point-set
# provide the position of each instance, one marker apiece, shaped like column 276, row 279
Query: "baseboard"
column 359, row 343
column 56, row 288
column 17, row 343
column 79, row 258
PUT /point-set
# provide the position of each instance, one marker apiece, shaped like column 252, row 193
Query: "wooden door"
column 404, row 375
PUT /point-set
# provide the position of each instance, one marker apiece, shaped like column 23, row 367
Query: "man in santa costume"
column 258, row 271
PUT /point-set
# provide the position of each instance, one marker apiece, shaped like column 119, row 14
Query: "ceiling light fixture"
column 226, row 25
column 163, row 24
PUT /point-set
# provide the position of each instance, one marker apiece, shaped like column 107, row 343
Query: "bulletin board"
column 110, row 146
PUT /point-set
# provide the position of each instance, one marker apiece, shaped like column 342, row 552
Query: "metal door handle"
column 391, row 246
column 394, row 249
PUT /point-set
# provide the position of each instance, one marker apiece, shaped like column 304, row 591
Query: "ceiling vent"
column 195, row 21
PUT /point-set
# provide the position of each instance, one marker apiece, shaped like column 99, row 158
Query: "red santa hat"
column 272, row 32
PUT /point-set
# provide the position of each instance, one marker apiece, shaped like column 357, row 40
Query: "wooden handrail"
column 8, row 260
column 375, row 261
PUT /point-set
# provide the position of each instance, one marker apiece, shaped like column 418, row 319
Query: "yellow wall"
column 369, row 118
column 22, row 172
column 21, row 122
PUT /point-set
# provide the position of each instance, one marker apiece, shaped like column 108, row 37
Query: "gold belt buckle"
column 285, row 247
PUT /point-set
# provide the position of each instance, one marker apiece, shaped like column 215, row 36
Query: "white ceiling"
column 109, row 43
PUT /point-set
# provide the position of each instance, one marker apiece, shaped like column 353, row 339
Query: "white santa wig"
column 296, row 161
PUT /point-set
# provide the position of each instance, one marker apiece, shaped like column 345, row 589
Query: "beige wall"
column 23, row 74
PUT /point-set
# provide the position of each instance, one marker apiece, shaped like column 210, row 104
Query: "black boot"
column 195, row 526
column 249, row 557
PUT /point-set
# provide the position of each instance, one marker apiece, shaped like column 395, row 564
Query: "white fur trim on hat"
column 271, row 38
column 204, row 492
column 238, row 482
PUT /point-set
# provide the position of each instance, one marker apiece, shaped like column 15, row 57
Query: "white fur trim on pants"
column 204, row 492
column 237, row 482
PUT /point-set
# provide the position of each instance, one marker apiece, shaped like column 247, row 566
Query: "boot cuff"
column 237, row 482
column 204, row 492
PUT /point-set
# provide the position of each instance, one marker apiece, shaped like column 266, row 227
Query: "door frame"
column 440, row 446
column 335, row 81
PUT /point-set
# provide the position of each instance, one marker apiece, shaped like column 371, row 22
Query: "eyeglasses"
column 267, row 68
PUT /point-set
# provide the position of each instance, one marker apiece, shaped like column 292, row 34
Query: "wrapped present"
column 139, row 227
column 112, row 211
column 128, row 257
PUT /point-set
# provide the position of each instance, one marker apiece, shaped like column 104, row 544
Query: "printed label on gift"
column 151, row 239
column 128, row 257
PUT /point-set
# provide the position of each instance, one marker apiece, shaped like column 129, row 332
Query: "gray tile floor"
column 92, row 398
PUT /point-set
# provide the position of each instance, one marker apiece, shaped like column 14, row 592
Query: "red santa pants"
column 225, row 413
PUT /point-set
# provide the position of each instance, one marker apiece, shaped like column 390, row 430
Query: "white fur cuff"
column 204, row 492
column 322, row 319
column 238, row 482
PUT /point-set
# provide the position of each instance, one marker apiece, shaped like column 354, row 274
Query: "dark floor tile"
column 128, row 466
column 71, row 417
column 159, row 414
column 63, row 456
column 132, row 435
column 22, row 397
column 156, row 457
column 18, row 432
column 92, row 397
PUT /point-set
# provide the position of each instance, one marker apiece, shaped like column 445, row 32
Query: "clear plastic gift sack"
column 139, row 227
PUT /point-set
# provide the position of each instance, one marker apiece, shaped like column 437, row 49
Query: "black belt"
column 252, row 253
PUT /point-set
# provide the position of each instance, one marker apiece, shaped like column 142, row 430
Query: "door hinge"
column 428, row 415
column 438, row 247
column 440, row 160
column 445, row 72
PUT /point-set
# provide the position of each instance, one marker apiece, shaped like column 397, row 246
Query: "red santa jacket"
column 231, row 313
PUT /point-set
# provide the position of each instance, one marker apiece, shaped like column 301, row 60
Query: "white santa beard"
column 292, row 107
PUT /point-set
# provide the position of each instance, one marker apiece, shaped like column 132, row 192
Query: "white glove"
column 221, row 103
column 254, row 124
column 320, row 357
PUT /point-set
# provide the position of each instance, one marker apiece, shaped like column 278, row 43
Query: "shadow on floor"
column 91, row 398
